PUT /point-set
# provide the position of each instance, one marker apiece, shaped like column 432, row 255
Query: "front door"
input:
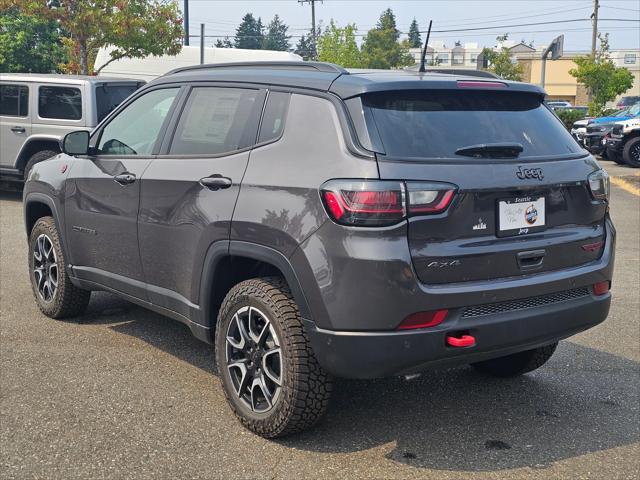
column 190, row 190
column 15, row 124
column 103, row 196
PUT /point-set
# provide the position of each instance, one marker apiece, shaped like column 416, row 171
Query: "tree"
column 602, row 78
column 338, row 45
column 381, row 49
column 249, row 33
column 276, row 37
column 500, row 61
column 415, row 41
column 28, row 44
column 224, row 43
column 133, row 28
column 304, row 47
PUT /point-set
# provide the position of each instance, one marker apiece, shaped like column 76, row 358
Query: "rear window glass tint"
column 215, row 121
column 423, row 124
column 108, row 97
column 14, row 100
column 274, row 116
column 63, row 103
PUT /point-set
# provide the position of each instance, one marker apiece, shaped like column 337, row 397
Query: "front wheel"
column 631, row 152
column 55, row 295
column 270, row 375
column 517, row 363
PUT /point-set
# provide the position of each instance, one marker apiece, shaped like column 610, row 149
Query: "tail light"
column 601, row 288
column 599, row 185
column 423, row 320
column 374, row 203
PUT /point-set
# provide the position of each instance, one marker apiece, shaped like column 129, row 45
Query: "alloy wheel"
column 254, row 359
column 45, row 268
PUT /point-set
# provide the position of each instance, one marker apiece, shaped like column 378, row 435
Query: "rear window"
column 62, row 103
column 108, row 97
column 425, row 124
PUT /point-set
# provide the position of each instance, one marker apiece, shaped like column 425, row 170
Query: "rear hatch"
column 523, row 204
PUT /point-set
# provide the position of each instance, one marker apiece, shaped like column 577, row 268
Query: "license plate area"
column 521, row 215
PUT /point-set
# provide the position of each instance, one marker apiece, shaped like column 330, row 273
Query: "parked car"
column 312, row 222
column 627, row 101
column 599, row 129
column 579, row 129
column 36, row 111
column 553, row 104
column 623, row 144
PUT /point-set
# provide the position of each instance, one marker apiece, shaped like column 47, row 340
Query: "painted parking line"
column 625, row 185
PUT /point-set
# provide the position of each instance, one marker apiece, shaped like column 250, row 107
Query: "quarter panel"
column 279, row 204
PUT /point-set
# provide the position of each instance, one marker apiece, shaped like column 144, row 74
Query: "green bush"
column 569, row 117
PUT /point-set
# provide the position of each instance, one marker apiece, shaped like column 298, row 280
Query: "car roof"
column 331, row 78
column 60, row 78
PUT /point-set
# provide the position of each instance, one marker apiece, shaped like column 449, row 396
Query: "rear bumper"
column 381, row 354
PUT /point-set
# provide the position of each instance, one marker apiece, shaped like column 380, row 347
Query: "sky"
column 221, row 17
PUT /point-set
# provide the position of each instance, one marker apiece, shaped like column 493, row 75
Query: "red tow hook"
column 462, row 341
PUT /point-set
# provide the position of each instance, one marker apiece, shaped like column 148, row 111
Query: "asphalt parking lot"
column 125, row 393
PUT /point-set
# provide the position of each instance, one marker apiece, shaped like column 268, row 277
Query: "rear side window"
column 108, row 97
column 424, row 124
column 14, row 100
column 274, row 116
column 216, row 120
column 62, row 103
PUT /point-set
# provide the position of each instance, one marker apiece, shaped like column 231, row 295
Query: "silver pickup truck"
column 37, row 110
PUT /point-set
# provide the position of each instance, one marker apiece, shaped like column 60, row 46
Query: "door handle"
column 18, row 129
column 125, row 178
column 216, row 182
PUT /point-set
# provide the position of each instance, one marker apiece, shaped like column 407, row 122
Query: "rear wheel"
column 270, row 375
column 518, row 363
column 37, row 158
column 631, row 152
column 55, row 295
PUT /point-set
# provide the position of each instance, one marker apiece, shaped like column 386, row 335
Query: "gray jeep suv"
column 312, row 222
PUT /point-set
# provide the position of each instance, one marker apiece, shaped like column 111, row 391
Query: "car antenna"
column 422, row 68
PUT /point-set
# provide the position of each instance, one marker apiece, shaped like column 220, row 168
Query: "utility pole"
column 594, row 24
column 185, row 12
column 313, row 23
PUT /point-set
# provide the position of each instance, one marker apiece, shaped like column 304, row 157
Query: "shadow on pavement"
column 582, row 401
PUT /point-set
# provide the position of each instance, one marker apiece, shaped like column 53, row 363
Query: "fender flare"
column 223, row 249
column 37, row 197
column 35, row 138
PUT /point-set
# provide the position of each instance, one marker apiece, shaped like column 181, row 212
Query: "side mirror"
column 75, row 143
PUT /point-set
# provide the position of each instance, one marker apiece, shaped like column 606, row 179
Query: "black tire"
column 36, row 158
column 631, row 152
column 304, row 391
column 65, row 300
column 518, row 363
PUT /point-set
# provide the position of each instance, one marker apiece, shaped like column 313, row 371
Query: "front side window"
column 61, row 103
column 14, row 100
column 214, row 121
column 135, row 130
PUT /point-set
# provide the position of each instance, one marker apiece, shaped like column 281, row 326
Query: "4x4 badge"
column 524, row 173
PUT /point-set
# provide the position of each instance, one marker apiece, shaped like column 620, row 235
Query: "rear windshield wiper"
column 491, row 150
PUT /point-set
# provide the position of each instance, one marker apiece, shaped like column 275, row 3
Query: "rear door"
column 15, row 123
column 103, row 194
column 190, row 190
column 512, row 214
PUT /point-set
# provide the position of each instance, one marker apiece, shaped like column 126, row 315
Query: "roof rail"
column 293, row 65
column 463, row 72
